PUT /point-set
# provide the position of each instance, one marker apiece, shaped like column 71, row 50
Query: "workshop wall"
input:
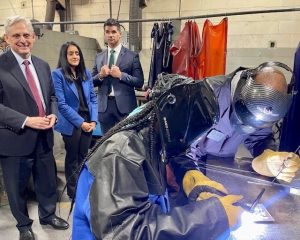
column 251, row 38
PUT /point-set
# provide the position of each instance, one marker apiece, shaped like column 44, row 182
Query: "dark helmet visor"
column 184, row 113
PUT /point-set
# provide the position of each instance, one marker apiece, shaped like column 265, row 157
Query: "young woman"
column 77, row 106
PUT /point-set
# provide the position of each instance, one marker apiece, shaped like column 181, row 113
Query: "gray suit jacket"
column 132, row 77
column 17, row 102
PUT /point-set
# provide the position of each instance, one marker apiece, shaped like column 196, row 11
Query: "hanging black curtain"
column 161, row 59
column 290, row 135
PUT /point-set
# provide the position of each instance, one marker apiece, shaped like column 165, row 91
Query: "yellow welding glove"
column 195, row 182
column 282, row 165
column 233, row 212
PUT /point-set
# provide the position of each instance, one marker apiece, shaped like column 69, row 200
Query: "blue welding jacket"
column 222, row 140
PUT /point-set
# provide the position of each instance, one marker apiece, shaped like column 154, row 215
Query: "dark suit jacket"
column 17, row 102
column 132, row 77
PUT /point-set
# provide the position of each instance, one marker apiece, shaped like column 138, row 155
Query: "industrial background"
column 258, row 31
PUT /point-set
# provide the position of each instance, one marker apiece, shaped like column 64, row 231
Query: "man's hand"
column 282, row 165
column 115, row 72
column 41, row 123
column 52, row 118
column 104, row 71
column 195, row 183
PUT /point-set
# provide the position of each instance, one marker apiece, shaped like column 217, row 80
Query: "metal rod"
column 110, row 9
column 256, row 201
column 32, row 10
column 225, row 14
column 297, row 150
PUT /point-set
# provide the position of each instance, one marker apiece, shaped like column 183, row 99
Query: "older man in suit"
column 27, row 104
column 117, row 72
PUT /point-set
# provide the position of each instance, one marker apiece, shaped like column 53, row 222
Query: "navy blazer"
column 17, row 102
column 132, row 77
column 68, row 102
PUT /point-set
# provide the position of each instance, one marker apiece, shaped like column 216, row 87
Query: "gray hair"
column 10, row 21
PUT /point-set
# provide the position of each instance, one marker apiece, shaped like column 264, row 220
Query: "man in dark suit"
column 27, row 105
column 117, row 72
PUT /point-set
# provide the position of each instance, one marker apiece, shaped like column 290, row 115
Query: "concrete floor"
column 8, row 230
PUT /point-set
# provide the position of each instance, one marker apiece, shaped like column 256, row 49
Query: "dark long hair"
column 65, row 66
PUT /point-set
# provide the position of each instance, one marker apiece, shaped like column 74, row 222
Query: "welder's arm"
column 121, row 209
column 230, row 205
column 81, row 217
column 282, row 165
column 180, row 164
column 199, row 187
column 262, row 139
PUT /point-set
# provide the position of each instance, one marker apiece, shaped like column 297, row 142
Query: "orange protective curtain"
column 214, row 48
column 186, row 51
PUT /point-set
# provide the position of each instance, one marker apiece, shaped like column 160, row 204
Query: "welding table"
column 239, row 178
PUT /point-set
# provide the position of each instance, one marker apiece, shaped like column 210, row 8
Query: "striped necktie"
column 111, row 58
column 33, row 88
column 110, row 63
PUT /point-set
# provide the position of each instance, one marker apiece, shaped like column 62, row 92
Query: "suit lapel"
column 105, row 57
column 122, row 52
column 73, row 88
column 16, row 72
column 86, row 90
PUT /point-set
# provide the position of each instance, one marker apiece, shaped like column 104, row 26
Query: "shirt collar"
column 19, row 58
column 117, row 48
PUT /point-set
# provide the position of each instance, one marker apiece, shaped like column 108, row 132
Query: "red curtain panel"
column 186, row 50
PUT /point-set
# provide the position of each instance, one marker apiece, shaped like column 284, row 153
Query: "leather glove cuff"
column 194, row 194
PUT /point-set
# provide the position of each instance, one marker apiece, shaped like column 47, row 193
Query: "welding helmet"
column 185, row 111
column 255, row 105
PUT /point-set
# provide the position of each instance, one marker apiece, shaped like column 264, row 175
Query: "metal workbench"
column 239, row 178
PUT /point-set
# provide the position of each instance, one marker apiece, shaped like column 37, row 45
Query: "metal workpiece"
column 279, row 199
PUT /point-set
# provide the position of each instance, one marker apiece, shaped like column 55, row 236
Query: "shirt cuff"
column 101, row 79
column 23, row 125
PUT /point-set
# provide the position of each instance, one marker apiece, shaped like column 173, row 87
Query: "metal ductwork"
column 135, row 28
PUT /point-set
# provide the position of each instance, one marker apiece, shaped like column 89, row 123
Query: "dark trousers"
column 16, row 174
column 111, row 116
column 76, row 146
